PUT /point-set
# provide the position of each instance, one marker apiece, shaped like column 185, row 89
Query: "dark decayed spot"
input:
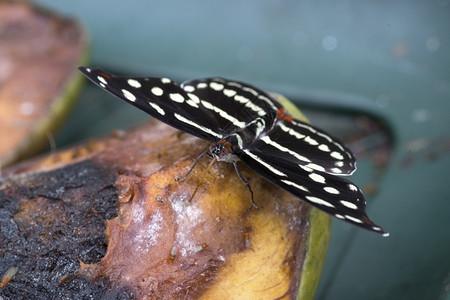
column 49, row 223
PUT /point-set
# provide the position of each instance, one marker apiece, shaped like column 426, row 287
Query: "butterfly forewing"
column 161, row 98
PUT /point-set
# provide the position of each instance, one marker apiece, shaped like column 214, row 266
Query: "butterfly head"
column 222, row 151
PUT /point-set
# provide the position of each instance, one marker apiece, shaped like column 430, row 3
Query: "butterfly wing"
column 161, row 98
column 331, row 194
column 236, row 103
column 289, row 153
column 308, row 146
column 209, row 108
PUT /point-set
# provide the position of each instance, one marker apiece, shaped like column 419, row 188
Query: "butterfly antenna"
column 203, row 178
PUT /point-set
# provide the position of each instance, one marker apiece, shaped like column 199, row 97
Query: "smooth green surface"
column 318, row 240
column 386, row 58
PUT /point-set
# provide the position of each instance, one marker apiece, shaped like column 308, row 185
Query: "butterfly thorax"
column 226, row 148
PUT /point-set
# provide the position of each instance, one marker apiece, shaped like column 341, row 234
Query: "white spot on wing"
column 336, row 155
column 176, row 97
column 315, row 167
column 319, row 201
column 102, row 80
column 166, row 80
column 290, row 131
column 194, row 98
column 241, row 99
column 223, row 114
column 157, row 108
column 194, row 124
column 352, row 187
column 189, row 88
column 232, row 83
column 250, row 90
column 229, row 92
column 268, row 141
column 349, row 204
column 306, row 168
column 300, row 187
column 331, row 190
column 129, row 96
column 268, row 166
column 157, row 91
column 311, row 141
column 317, row 178
column 324, row 148
column 216, row 86
column 336, row 171
column 249, row 104
column 327, row 137
column 192, row 103
column 268, row 101
column 353, row 219
column 134, row 83
column 306, row 126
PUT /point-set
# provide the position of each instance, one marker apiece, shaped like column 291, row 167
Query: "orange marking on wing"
column 281, row 115
column 365, row 220
column 103, row 74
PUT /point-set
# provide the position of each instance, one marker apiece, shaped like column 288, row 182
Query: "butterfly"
column 243, row 123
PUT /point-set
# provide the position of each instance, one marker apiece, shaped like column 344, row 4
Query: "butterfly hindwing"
column 334, row 195
column 308, row 146
column 235, row 103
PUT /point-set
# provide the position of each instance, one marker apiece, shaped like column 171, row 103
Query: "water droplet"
column 432, row 44
column 420, row 115
column 329, row 43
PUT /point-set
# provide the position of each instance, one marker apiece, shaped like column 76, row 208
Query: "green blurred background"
column 376, row 73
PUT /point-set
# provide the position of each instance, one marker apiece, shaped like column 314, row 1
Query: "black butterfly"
column 245, row 123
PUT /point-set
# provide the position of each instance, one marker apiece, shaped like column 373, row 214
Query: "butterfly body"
column 243, row 123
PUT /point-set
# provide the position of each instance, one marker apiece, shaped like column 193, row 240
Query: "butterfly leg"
column 193, row 166
column 245, row 182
